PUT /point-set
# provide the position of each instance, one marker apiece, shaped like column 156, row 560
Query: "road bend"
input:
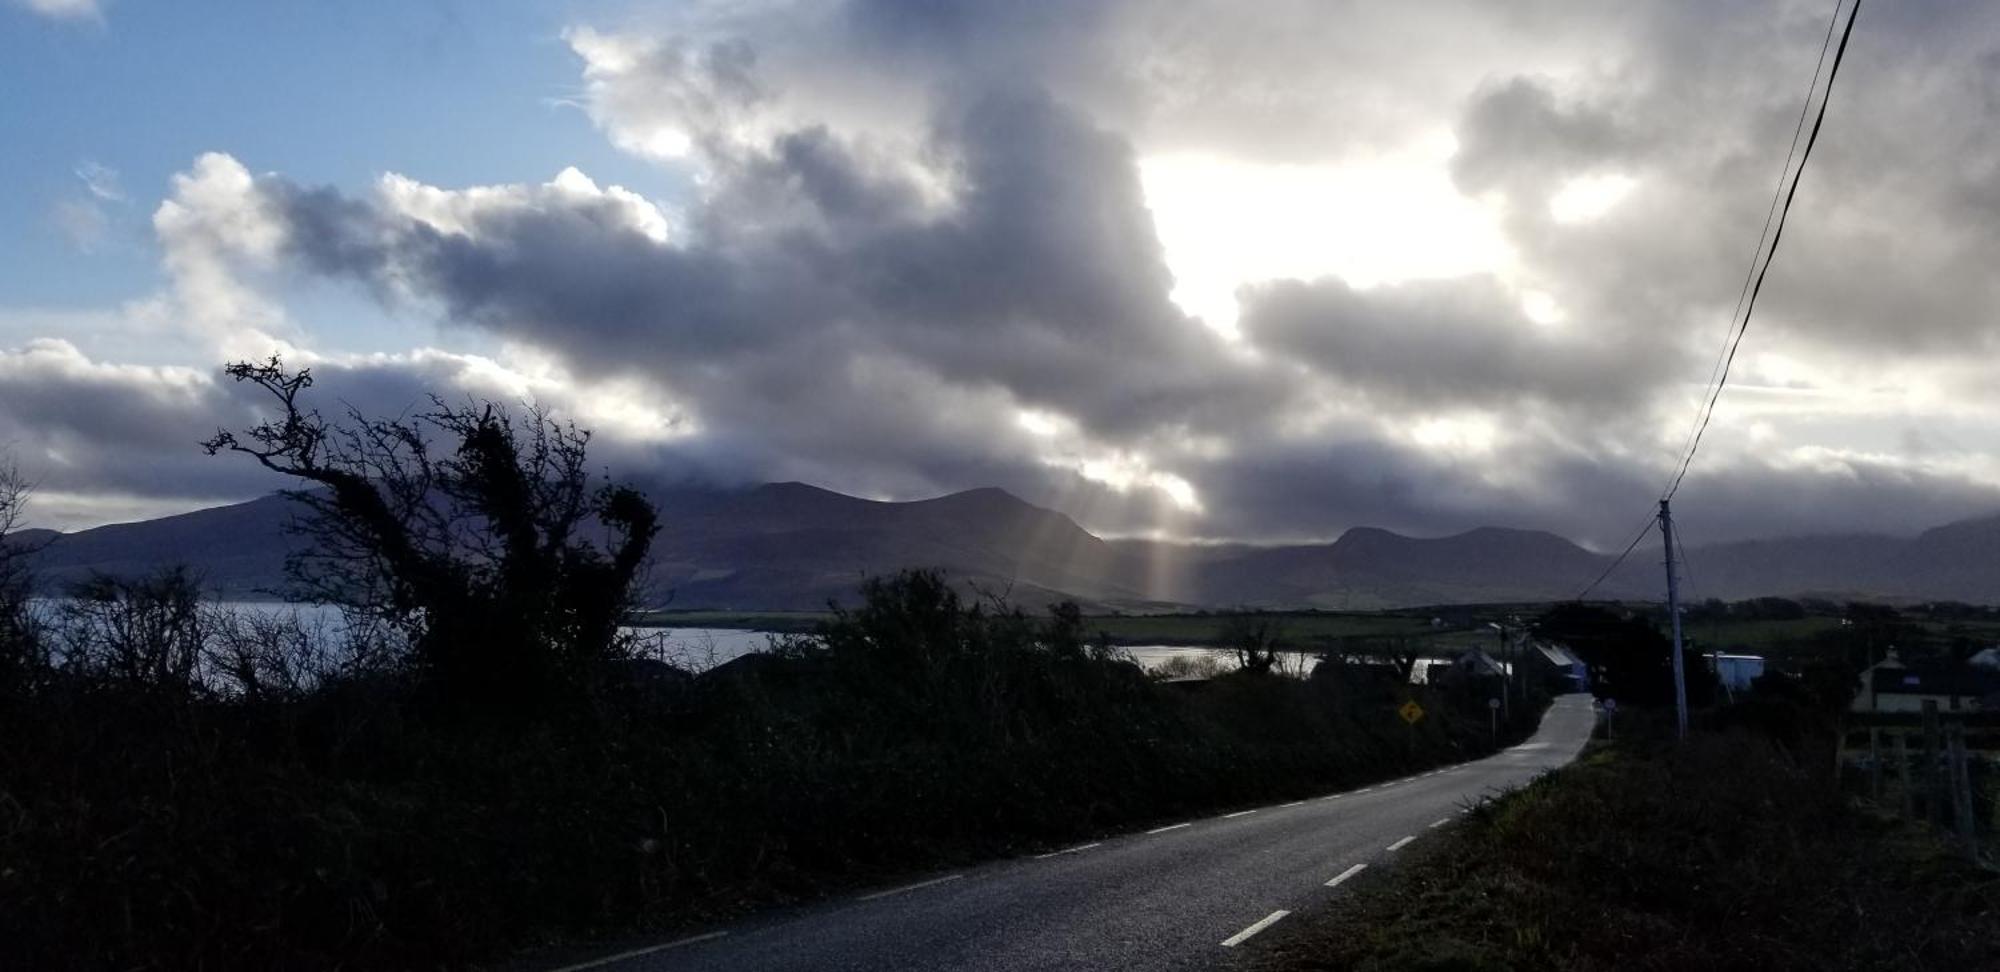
column 1182, row 895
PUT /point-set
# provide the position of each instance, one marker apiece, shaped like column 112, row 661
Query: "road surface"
column 1179, row 896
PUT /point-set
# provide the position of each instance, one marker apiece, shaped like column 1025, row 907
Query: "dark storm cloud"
column 914, row 221
column 1519, row 137
column 821, row 307
column 78, row 427
column 1441, row 344
column 827, row 315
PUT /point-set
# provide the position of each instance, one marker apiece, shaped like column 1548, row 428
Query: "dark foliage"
column 483, row 558
column 1255, row 639
column 331, row 823
column 22, row 652
column 1629, row 659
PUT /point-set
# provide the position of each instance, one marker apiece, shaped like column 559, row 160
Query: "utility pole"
column 1674, row 612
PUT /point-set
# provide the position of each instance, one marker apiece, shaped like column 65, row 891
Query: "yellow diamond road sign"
column 1411, row 712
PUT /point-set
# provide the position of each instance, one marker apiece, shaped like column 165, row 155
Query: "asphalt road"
column 1181, row 896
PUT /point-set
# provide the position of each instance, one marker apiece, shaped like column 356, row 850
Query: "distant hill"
column 791, row 546
column 239, row 550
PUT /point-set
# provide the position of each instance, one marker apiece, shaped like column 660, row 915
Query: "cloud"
column 104, row 439
column 101, row 180
column 1451, row 343
column 818, row 311
column 916, row 254
column 90, row 10
column 82, row 222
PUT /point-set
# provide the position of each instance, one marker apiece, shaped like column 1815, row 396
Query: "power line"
column 1777, row 234
column 1770, row 212
column 1681, row 551
column 1643, row 530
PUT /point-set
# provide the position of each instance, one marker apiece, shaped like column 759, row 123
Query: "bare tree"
column 144, row 633
column 22, row 648
column 1255, row 638
column 1401, row 652
column 483, row 541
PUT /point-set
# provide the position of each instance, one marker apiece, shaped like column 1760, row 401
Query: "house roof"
column 1479, row 662
column 1934, row 681
column 1557, row 654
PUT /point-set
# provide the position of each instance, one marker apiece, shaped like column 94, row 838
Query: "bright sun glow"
column 1585, row 198
column 1456, row 434
column 1225, row 223
column 1539, row 306
column 1124, row 472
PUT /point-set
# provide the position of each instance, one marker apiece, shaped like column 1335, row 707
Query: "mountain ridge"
column 795, row 546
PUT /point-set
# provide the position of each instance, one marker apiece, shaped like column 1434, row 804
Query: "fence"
column 1936, row 767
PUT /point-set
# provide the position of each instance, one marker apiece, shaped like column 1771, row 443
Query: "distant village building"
column 1892, row 686
column 1736, row 672
column 1556, row 666
column 1472, row 665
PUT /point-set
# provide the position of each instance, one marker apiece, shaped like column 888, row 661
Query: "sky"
column 1182, row 268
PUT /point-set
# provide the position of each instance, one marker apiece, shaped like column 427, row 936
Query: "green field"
column 1303, row 628
column 1462, row 627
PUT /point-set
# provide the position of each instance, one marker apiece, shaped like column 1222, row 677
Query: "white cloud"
column 1585, row 198
column 1472, row 260
column 217, row 231
column 82, row 222
column 65, row 9
column 101, row 180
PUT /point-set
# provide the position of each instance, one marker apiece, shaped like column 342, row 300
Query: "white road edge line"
column 1344, row 875
column 1399, row 845
column 1244, row 935
column 1069, row 850
column 1162, row 830
column 1239, row 813
column 1440, row 823
column 1294, row 803
column 909, row 887
column 635, row 953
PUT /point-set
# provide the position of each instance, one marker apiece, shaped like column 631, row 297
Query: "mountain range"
column 790, row 546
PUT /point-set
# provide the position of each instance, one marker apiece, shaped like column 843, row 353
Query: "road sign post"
column 1493, row 720
column 1412, row 713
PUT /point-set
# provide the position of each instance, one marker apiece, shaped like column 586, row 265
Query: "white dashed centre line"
column 1162, row 830
column 1344, row 875
column 1244, row 935
column 1294, row 803
column 635, row 953
column 1399, row 845
column 1069, row 850
column 1440, row 823
column 909, row 887
column 1239, row 813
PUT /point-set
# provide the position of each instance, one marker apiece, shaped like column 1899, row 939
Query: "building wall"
column 1899, row 702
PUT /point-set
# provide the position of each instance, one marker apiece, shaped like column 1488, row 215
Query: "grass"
column 1732, row 851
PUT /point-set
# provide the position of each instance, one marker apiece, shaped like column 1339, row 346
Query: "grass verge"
column 1727, row 852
